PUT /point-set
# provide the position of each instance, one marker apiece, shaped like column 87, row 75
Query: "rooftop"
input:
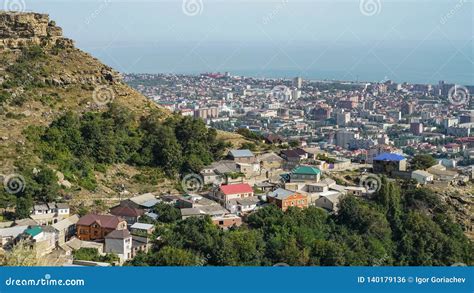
column 105, row 221
column 281, row 193
column 118, row 234
column 236, row 188
column 389, row 157
column 241, row 153
column 306, row 170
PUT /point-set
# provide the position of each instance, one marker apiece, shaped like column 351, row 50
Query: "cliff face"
column 21, row 29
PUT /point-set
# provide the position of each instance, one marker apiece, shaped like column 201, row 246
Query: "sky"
column 417, row 41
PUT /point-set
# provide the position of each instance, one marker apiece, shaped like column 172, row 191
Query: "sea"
column 424, row 62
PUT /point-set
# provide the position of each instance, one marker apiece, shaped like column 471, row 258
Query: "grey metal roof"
column 281, row 193
column 241, row 153
column 141, row 226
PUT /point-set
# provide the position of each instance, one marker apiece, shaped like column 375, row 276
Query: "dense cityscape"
column 223, row 170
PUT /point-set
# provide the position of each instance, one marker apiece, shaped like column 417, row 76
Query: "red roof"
column 105, row 221
column 236, row 188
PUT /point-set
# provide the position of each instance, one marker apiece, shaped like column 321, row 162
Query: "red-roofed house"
column 96, row 227
column 234, row 191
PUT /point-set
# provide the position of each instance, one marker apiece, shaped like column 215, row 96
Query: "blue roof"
column 389, row 157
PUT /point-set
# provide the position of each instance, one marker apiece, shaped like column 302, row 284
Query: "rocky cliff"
column 18, row 30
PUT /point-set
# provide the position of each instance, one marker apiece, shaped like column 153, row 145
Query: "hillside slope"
column 42, row 76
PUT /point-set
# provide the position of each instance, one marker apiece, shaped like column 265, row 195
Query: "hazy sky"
column 292, row 35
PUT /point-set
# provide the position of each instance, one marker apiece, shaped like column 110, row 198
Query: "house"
column 329, row 200
column 270, row 161
column 234, row 191
column 442, row 174
column 355, row 190
column 144, row 201
column 120, row 243
column 42, row 239
column 216, row 173
column 129, row 214
column 49, row 213
column 266, row 186
column 273, row 138
column 422, row 176
column 294, row 157
column 305, row 174
column 60, row 209
column 242, row 156
column 66, row 228
column 243, row 205
column 9, row 235
column 284, row 199
column 387, row 163
column 227, row 221
column 74, row 244
column 96, row 227
column 142, row 228
column 321, row 186
column 202, row 211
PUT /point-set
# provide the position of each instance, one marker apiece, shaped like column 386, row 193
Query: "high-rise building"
column 321, row 113
column 343, row 138
column 343, row 118
column 298, row 82
column 408, row 108
column 206, row 113
column 416, row 128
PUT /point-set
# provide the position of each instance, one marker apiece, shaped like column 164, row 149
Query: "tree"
column 23, row 207
column 241, row 247
column 167, row 213
column 422, row 162
column 172, row 256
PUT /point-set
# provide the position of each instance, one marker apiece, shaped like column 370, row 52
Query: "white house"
column 329, row 200
column 243, row 205
column 120, row 243
column 422, row 177
column 49, row 213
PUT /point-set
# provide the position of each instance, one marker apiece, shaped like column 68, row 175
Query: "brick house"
column 96, row 227
column 227, row 221
column 284, row 199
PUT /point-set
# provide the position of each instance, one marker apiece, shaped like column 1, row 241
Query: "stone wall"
column 20, row 29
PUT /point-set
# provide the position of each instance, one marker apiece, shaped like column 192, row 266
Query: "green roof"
column 33, row 231
column 306, row 170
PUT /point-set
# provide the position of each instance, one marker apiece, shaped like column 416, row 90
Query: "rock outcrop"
column 21, row 29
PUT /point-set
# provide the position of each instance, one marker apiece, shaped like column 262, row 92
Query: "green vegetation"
column 91, row 254
column 35, row 185
column 422, row 162
column 397, row 228
column 325, row 158
column 252, row 135
column 28, row 71
column 80, row 145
